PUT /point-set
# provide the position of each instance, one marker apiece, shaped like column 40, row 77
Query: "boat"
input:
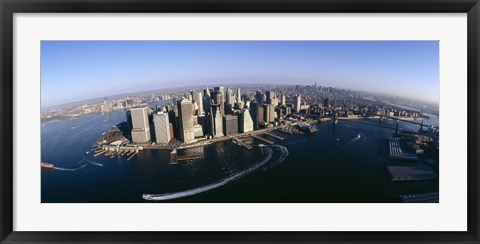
column 47, row 165
column 147, row 196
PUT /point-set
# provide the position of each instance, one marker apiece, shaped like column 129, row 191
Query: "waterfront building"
column 230, row 125
column 140, row 125
column 197, row 131
column 269, row 113
column 254, row 114
column 162, row 128
column 246, row 122
column 297, row 103
column 218, row 124
column 185, row 120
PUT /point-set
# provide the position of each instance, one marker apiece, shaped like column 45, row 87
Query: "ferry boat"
column 47, row 165
column 147, row 196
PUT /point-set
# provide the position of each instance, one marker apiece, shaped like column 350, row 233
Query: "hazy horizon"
column 74, row 71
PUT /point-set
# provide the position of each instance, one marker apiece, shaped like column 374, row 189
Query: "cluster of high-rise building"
column 209, row 113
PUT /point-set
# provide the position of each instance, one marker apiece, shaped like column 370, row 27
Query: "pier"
column 429, row 197
column 274, row 136
column 240, row 143
column 396, row 151
column 188, row 157
column 262, row 139
column 408, row 173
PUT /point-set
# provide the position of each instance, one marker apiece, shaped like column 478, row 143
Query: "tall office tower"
column 220, row 102
column 279, row 112
column 140, row 125
column 246, row 122
column 284, row 100
column 269, row 113
column 264, row 99
column 230, row 125
column 259, row 97
column 297, row 102
column 260, row 116
column 162, row 128
column 270, row 95
column 325, row 102
column 229, row 98
column 207, row 101
column 185, row 120
column 254, row 114
column 228, row 108
column 106, row 106
column 274, row 101
column 198, row 98
column 239, row 105
column 218, row 124
column 288, row 110
column 220, row 89
column 239, row 96
column 206, row 92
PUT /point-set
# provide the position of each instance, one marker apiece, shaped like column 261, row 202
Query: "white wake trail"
column 65, row 169
column 267, row 154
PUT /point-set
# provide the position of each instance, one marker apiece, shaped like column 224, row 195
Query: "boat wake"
column 283, row 154
column 95, row 163
column 267, row 155
column 75, row 169
column 344, row 146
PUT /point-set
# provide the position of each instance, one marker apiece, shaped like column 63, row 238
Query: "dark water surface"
column 332, row 165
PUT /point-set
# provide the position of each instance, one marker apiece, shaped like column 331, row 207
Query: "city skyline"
column 107, row 68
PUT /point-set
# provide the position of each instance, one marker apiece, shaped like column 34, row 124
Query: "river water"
column 332, row 165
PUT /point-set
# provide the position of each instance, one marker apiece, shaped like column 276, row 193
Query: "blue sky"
column 79, row 70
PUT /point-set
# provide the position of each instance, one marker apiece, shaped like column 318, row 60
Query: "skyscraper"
column 140, row 125
column 218, row 124
column 229, row 99
column 254, row 114
column 220, row 102
column 185, row 119
column 325, row 102
column 239, row 96
column 283, row 101
column 270, row 95
column 246, row 122
column 297, row 103
column 162, row 128
column 230, row 125
column 198, row 98
column 269, row 113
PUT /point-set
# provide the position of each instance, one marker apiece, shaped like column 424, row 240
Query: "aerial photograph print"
column 239, row 121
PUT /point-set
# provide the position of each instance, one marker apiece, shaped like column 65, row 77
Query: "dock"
column 188, row 157
column 240, row 143
column 131, row 156
column 274, row 136
column 262, row 139
column 429, row 197
column 410, row 173
column 396, row 151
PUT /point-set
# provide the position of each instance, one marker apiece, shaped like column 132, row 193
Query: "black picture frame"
column 9, row 7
